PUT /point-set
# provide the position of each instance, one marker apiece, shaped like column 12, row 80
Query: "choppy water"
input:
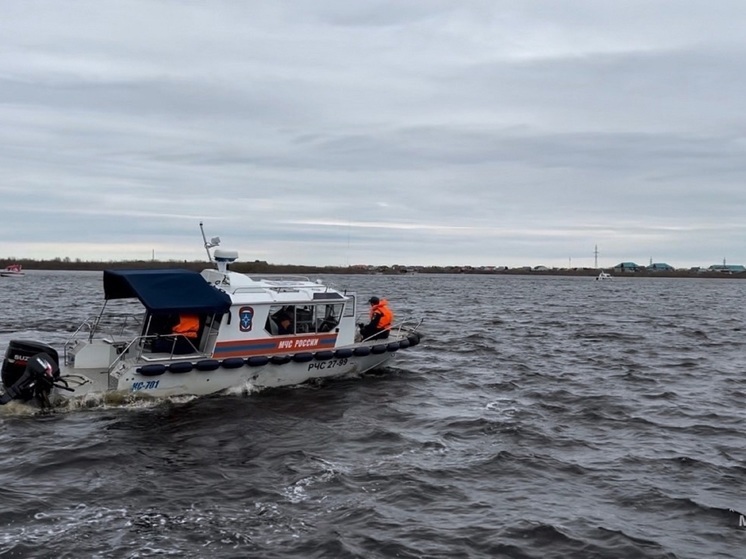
column 540, row 418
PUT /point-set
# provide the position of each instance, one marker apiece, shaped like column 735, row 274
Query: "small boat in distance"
column 246, row 333
column 604, row 276
column 12, row 271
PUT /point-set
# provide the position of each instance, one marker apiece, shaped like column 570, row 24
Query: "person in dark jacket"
column 381, row 319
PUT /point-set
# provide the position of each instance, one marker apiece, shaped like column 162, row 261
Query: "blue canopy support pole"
column 94, row 327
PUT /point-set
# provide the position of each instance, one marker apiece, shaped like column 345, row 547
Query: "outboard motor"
column 29, row 370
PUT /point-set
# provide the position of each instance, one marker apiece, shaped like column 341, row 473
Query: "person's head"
column 374, row 301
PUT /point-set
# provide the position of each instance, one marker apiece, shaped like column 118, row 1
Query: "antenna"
column 215, row 241
column 349, row 226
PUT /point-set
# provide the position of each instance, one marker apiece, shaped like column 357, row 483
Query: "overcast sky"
column 336, row 132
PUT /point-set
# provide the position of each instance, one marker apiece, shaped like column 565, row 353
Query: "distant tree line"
column 256, row 267
column 263, row 267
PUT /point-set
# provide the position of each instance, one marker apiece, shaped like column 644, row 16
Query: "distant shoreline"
column 260, row 267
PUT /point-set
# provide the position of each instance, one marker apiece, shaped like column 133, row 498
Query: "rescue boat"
column 12, row 271
column 239, row 343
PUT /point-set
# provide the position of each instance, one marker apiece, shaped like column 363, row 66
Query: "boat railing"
column 87, row 326
column 123, row 352
column 405, row 325
column 277, row 288
column 408, row 325
column 138, row 347
column 282, row 277
column 249, row 290
column 93, row 324
column 129, row 323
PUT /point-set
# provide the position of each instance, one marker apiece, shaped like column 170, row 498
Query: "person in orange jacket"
column 381, row 318
column 183, row 338
column 188, row 326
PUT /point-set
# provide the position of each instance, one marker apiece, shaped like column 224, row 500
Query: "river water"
column 540, row 417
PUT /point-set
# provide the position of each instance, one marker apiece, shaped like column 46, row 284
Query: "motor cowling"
column 29, row 369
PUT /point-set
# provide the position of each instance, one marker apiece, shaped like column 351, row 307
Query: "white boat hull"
column 199, row 376
column 168, row 380
column 267, row 376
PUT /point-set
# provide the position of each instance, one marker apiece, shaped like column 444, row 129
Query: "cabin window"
column 350, row 308
column 303, row 319
column 328, row 316
column 281, row 320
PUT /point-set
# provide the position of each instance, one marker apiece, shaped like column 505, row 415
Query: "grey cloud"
column 478, row 132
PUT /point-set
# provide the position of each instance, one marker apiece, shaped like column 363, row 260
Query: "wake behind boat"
column 12, row 271
column 238, row 339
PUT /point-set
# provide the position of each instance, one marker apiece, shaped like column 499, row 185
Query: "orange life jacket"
column 188, row 326
column 387, row 317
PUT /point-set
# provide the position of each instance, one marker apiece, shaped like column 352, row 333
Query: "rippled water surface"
column 544, row 417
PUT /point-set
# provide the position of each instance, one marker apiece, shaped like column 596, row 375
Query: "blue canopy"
column 166, row 290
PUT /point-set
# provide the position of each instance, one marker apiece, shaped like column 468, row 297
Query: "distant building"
column 627, row 267
column 727, row 268
column 660, row 267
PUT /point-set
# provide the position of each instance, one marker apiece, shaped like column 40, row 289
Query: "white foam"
column 244, row 390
